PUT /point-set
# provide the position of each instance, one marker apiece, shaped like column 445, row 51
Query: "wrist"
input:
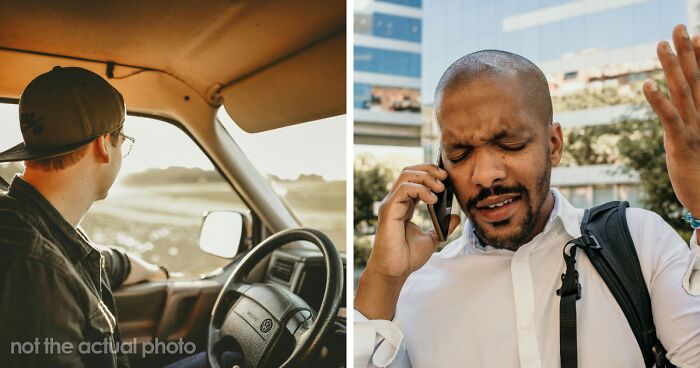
column 158, row 273
column 377, row 295
column 693, row 218
column 377, row 273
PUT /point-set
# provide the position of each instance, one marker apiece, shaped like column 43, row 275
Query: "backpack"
column 608, row 245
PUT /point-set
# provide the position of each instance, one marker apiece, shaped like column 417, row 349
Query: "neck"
column 63, row 191
column 545, row 212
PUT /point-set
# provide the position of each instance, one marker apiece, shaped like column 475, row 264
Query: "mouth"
column 498, row 208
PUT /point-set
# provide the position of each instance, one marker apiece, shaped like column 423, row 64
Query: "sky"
column 540, row 30
column 311, row 148
column 317, row 147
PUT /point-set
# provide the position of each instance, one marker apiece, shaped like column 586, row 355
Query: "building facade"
column 595, row 54
column 388, row 69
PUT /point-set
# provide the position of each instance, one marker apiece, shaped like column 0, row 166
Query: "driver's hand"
column 400, row 246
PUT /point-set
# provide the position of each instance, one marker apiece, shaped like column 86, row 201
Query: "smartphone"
column 441, row 210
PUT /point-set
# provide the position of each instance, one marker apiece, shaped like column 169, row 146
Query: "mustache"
column 494, row 191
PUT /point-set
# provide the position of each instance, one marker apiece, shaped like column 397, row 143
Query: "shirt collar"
column 563, row 214
column 77, row 247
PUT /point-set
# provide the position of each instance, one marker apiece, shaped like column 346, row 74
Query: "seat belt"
column 608, row 245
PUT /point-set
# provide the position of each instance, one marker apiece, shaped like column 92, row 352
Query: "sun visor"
column 306, row 86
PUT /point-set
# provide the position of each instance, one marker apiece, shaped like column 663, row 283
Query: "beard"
column 526, row 225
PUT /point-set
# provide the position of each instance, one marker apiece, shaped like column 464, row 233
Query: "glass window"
column 155, row 207
column 630, row 193
column 603, row 194
column 396, row 27
column 411, row 3
column 570, row 75
column 401, row 63
column 363, row 95
column 379, row 98
column 11, row 136
column 363, row 23
column 579, row 197
column 305, row 164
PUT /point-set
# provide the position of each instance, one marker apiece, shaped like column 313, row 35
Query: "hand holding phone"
column 442, row 209
column 400, row 246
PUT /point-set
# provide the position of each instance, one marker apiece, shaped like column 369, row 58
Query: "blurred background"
column 595, row 54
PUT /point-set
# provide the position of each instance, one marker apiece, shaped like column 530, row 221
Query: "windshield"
column 305, row 164
column 166, row 183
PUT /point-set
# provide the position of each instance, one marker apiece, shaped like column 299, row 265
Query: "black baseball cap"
column 63, row 110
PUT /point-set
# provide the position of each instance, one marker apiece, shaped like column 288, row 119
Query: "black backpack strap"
column 608, row 245
column 570, row 292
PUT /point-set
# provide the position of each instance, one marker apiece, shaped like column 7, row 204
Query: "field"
column 161, row 221
column 158, row 213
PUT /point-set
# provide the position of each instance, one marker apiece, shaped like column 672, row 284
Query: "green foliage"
column 362, row 247
column 642, row 148
column 591, row 145
column 638, row 146
column 591, row 98
column 371, row 184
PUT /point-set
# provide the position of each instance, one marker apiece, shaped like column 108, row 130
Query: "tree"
column 642, row 150
column 371, row 184
column 591, row 145
column 636, row 144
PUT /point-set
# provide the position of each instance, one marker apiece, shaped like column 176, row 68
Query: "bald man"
column 488, row 298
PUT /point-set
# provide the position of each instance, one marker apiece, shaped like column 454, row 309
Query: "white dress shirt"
column 476, row 306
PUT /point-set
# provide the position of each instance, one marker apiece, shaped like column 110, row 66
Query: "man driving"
column 55, row 285
column 488, row 299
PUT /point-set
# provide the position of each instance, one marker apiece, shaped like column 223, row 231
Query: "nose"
column 488, row 169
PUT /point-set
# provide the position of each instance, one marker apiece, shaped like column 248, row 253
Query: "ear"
column 101, row 151
column 556, row 143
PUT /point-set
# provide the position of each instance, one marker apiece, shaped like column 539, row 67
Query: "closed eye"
column 514, row 148
column 457, row 158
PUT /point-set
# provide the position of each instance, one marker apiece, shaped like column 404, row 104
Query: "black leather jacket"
column 55, row 288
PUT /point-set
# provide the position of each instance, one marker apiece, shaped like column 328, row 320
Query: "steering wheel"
column 268, row 323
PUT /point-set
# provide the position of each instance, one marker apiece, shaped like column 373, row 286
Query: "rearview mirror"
column 222, row 233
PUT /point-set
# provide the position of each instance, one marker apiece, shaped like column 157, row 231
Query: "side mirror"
column 222, row 233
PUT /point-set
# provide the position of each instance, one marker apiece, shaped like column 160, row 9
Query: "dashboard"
column 304, row 273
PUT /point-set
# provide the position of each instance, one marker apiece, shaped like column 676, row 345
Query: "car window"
column 305, row 164
column 155, row 207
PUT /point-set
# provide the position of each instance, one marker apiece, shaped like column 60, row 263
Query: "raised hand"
column 400, row 246
column 680, row 115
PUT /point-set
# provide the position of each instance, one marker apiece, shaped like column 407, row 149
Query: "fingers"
column 415, row 183
column 431, row 169
column 407, row 192
column 688, row 61
column 696, row 47
column 420, row 177
column 398, row 205
column 679, row 89
column 663, row 108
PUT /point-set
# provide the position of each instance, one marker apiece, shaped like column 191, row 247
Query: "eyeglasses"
column 127, row 144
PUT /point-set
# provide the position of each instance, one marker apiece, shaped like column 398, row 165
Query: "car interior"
column 281, row 300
